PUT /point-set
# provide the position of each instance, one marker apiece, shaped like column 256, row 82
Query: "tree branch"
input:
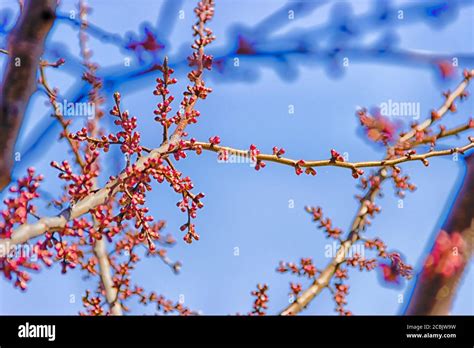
column 434, row 293
column 25, row 47
column 322, row 281
column 111, row 293
column 335, row 163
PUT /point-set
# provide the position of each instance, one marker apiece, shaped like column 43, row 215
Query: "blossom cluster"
column 260, row 304
column 15, row 264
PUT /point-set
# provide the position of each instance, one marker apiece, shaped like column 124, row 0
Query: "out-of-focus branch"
column 434, row 292
column 25, row 47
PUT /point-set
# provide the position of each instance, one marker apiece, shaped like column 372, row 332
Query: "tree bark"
column 25, row 47
column 434, row 295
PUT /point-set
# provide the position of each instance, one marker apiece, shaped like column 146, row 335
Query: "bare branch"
column 25, row 47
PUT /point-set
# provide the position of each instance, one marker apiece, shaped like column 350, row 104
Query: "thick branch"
column 27, row 231
column 111, row 293
column 25, row 47
column 434, row 295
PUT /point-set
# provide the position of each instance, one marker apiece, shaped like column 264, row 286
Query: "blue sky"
column 251, row 210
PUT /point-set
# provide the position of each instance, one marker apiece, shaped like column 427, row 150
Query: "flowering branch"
column 444, row 133
column 102, row 196
column 336, row 160
column 448, row 105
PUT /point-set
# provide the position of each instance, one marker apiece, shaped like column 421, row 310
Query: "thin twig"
column 334, row 163
column 57, row 113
